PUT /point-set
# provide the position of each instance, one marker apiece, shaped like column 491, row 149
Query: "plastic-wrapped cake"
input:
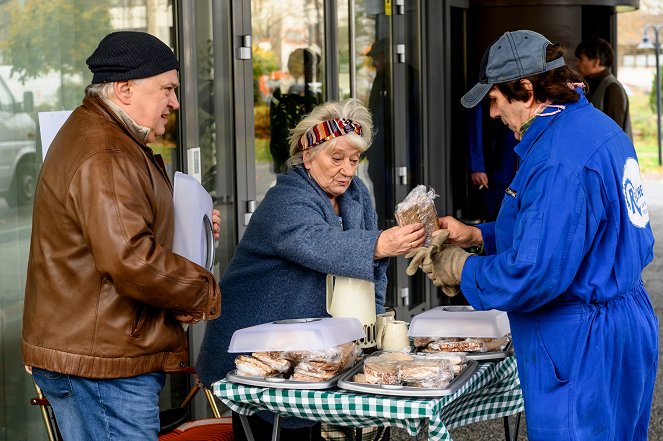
column 418, row 207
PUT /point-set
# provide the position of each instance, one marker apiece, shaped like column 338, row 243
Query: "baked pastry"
column 273, row 360
column 395, row 356
column 422, row 342
column 252, row 367
column 457, row 346
column 381, row 372
column 308, row 369
column 302, row 376
column 455, row 358
column 425, row 370
column 359, row 378
column 432, row 384
column 418, row 207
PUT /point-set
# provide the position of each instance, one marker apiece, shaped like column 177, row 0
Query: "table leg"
column 247, row 428
column 276, row 430
column 507, row 428
column 358, row 435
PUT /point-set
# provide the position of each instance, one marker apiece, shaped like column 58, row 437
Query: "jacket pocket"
column 563, row 355
column 138, row 320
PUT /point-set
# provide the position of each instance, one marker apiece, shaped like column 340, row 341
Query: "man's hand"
column 216, row 223
column 464, row 236
column 480, row 179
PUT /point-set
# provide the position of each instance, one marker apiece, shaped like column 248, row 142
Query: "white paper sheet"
column 49, row 125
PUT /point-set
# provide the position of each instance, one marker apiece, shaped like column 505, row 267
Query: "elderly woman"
column 318, row 219
column 565, row 256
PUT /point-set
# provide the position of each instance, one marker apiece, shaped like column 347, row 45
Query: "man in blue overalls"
column 565, row 255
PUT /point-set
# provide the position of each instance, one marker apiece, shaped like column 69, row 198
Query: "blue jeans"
column 104, row 410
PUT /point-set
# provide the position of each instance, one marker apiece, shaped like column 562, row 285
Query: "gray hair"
column 103, row 90
column 351, row 109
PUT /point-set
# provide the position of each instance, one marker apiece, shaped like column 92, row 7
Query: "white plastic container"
column 459, row 321
column 309, row 334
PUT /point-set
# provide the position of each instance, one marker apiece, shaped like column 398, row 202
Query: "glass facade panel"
column 414, row 149
column 288, row 72
column 43, row 48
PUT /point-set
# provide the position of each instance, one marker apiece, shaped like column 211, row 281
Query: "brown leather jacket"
column 103, row 285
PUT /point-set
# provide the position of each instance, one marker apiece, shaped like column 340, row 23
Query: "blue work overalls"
column 565, row 259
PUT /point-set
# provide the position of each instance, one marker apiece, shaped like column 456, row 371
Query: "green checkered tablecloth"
column 492, row 392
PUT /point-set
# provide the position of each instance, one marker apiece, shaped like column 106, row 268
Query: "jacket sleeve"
column 304, row 235
column 118, row 205
column 551, row 236
column 615, row 103
column 475, row 138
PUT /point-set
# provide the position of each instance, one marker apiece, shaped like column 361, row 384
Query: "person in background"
column 287, row 109
column 492, row 160
column 106, row 298
column 318, row 219
column 594, row 60
column 565, row 255
column 379, row 153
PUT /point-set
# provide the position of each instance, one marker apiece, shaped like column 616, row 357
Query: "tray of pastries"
column 409, row 375
column 295, row 369
column 482, row 335
column 474, row 348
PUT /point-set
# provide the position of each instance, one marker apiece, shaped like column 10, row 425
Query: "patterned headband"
column 327, row 130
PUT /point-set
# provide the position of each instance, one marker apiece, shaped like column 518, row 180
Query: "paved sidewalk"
column 493, row 430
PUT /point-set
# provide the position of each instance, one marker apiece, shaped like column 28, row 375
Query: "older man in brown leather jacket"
column 106, row 296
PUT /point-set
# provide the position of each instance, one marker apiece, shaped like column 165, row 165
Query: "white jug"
column 394, row 336
column 381, row 321
column 349, row 297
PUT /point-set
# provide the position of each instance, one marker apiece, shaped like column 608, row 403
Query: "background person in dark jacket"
column 318, row 219
column 606, row 93
column 105, row 296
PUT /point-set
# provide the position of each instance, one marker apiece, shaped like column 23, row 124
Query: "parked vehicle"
column 18, row 147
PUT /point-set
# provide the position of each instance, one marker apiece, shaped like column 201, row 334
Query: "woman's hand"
column 399, row 240
column 464, row 236
column 216, row 223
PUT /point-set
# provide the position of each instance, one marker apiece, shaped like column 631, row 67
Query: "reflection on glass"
column 288, row 70
column 215, row 134
column 372, row 78
column 43, row 48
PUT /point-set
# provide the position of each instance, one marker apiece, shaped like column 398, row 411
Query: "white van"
column 18, row 148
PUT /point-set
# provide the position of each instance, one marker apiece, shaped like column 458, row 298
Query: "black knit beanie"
column 128, row 55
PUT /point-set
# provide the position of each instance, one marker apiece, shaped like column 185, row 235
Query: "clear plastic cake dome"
column 459, row 321
column 308, row 334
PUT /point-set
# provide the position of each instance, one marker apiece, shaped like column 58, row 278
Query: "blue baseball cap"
column 513, row 56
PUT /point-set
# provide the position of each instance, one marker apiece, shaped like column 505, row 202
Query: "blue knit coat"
column 280, row 266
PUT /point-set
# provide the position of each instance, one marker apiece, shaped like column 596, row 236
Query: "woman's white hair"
column 351, row 109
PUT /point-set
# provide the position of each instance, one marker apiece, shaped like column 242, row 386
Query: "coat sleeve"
column 553, row 229
column 303, row 234
column 615, row 103
column 475, row 138
column 115, row 202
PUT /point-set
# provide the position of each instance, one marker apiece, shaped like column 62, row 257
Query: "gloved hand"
column 443, row 263
column 418, row 255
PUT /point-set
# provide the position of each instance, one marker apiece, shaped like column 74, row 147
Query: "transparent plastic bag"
column 419, row 206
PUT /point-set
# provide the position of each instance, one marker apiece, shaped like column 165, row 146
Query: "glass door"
column 288, row 78
column 207, row 146
column 380, row 64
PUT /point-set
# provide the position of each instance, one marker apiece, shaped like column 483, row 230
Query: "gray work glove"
column 443, row 263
